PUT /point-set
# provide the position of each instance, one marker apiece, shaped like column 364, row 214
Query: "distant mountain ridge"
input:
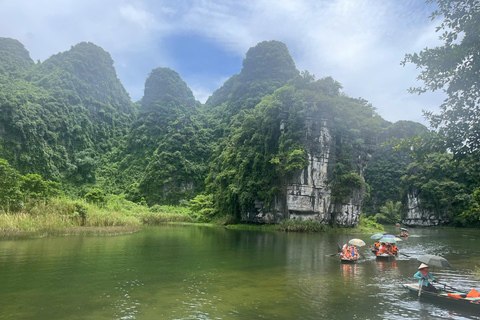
column 58, row 116
column 271, row 143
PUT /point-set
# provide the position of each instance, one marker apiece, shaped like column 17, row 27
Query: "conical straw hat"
column 423, row 265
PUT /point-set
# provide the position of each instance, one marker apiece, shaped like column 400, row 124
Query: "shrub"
column 298, row 225
column 202, row 208
column 96, row 196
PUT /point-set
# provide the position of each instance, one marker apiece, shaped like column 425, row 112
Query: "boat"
column 386, row 256
column 403, row 233
column 457, row 298
column 346, row 260
column 349, row 252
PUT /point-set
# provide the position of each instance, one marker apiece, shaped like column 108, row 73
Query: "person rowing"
column 424, row 276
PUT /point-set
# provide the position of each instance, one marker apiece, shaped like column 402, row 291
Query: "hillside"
column 271, row 143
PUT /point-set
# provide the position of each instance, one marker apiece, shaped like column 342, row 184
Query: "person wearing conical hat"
column 424, row 276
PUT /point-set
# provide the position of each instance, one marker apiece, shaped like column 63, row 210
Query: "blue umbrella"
column 388, row 240
column 388, row 236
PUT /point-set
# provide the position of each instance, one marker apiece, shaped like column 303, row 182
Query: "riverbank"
column 63, row 216
column 116, row 215
column 365, row 226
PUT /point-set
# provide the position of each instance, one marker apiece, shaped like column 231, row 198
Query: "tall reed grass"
column 298, row 225
column 44, row 217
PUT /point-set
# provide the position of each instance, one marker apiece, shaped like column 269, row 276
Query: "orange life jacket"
column 473, row 294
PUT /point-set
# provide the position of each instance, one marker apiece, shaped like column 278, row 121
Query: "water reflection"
column 178, row 272
column 389, row 266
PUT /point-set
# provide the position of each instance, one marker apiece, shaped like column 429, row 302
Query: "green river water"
column 195, row 272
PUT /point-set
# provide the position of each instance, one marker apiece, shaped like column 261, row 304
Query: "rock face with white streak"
column 417, row 216
column 308, row 195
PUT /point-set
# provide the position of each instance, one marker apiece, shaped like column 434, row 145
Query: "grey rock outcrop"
column 418, row 216
column 308, row 194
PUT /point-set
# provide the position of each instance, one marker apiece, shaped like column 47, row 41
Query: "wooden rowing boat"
column 346, row 260
column 455, row 298
column 385, row 256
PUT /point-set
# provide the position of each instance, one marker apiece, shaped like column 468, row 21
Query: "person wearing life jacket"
column 354, row 252
column 404, row 233
column 388, row 248
column 394, row 249
column 345, row 253
column 424, row 276
column 381, row 248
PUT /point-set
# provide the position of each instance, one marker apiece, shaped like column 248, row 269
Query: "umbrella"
column 397, row 239
column 388, row 236
column 357, row 242
column 404, row 229
column 435, row 261
column 376, row 236
column 388, row 240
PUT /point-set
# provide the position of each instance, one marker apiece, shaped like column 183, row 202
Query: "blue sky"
column 359, row 43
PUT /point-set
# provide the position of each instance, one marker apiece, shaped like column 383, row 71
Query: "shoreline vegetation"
column 61, row 216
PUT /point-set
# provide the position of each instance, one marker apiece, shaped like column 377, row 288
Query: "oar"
column 420, row 289
column 406, row 255
column 333, row 254
column 446, row 285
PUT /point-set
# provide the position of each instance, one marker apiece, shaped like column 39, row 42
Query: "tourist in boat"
column 389, row 248
column 394, row 249
column 381, row 248
column 345, row 252
column 424, row 276
column 354, row 252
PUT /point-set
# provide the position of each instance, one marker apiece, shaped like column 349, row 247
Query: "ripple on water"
column 125, row 307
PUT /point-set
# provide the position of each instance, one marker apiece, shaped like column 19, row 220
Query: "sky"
column 360, row 43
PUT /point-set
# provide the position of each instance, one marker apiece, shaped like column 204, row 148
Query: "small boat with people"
column 471, row 298
column 349, row 253
column 403, row 233
column 387, row 248
column 424, row 288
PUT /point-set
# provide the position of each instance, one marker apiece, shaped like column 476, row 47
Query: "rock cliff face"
column 417, row 216
column 308, row 195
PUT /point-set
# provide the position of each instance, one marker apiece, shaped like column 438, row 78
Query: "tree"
column 389, row 213
column 10, row 180
column 34, row 187
column 454, row 68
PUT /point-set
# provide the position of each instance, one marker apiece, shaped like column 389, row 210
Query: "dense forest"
column 68, row 126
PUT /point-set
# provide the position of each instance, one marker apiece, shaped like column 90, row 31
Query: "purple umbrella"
column 388, row 236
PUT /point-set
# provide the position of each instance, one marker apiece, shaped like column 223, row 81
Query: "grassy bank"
column 64, row 216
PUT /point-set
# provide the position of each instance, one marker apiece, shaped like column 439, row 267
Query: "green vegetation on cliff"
column 68, row 126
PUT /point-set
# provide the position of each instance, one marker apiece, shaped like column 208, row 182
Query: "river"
column 196, row 272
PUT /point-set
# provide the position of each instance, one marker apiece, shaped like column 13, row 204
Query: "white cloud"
column 358, row 43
